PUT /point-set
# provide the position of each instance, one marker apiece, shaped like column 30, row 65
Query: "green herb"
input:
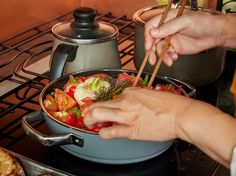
column 105, row 94
column 53, row 93
column 145, row 80
column 95, row 83
column 72, row 79
column 76, row 111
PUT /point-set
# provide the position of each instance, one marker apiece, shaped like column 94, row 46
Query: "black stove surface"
column 181, row 159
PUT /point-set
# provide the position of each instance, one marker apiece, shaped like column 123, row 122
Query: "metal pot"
column 87, row 145
column 197, row 70
column 83, row 44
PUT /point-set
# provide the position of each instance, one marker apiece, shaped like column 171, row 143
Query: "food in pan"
column 9, row 166
column 70, row 104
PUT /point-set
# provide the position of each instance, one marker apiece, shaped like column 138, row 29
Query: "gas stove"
column 24, row 63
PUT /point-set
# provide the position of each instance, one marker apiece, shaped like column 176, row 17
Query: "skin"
column 143, row 114
column 188, row 36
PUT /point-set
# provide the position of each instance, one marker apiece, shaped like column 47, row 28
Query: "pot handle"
column 45, row 139
column 189, row 90
column 61, row 55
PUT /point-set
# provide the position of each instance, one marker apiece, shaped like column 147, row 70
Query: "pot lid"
column 85, row 29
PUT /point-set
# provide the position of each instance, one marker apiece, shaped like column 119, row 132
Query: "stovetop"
column 24, row 62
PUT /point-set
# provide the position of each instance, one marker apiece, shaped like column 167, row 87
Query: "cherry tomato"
column 98, row 127
column 80, row 123
column 64, row 101
column 71, row 91
column 70, row 119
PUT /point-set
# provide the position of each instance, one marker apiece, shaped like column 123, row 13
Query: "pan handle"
column 45, row 139
column 189, row 90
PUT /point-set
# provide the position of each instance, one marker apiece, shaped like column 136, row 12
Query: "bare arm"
column 211, row 130
column 143, row 114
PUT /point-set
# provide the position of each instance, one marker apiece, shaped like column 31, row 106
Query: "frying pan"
column 88, row 145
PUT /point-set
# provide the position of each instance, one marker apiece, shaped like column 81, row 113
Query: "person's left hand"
column 139, row 114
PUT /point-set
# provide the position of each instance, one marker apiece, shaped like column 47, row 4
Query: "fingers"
column 152, row 57
column 112, row 111
column 170, row 56
column 103, row 114
column 169, row 27
column 115, row 131
column 153, row 33
column 153, row 24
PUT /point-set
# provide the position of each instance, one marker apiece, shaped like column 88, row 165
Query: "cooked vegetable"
column 50, row 103
column 71, row 104
column 64, row 101
column 145, row 80
column 89, row 87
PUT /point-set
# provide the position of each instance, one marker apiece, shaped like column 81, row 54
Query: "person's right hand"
column 191, row 33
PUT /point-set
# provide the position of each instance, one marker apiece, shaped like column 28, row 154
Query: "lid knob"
column 84, row 19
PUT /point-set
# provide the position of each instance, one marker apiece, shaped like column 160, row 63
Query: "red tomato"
column 71, row 91
column 71, row 119
column 84, row 108
column 125, row 77
column 95, row 128
column 80, row 123
column 81, row 78
column 88, row 101
column 64, row 101
column 98, row 127
column 65, row 117
column 179, row 90
column 50, row 103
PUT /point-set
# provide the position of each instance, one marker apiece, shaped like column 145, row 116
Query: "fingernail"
column 147, row 45
column 169, row 62
column 152, row 60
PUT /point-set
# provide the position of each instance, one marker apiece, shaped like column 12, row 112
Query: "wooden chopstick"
column 162, row 20
column 165, row 48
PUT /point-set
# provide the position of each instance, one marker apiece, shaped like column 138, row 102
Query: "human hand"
column 138, row 113
column 143, row 114
column 191, row 33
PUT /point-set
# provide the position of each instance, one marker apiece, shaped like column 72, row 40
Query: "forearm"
column 230, row 33
column 211, row 130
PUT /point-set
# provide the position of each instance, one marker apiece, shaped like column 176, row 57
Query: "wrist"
column 181, row 120
column 229, row 32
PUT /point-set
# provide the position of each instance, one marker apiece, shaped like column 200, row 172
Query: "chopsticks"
column 165, row 48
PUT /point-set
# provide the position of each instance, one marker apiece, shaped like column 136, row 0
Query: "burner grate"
column 24, row 64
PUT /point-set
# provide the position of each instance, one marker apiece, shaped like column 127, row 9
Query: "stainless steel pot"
column 198, row 70
column 88, row 145
column 83, row 44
